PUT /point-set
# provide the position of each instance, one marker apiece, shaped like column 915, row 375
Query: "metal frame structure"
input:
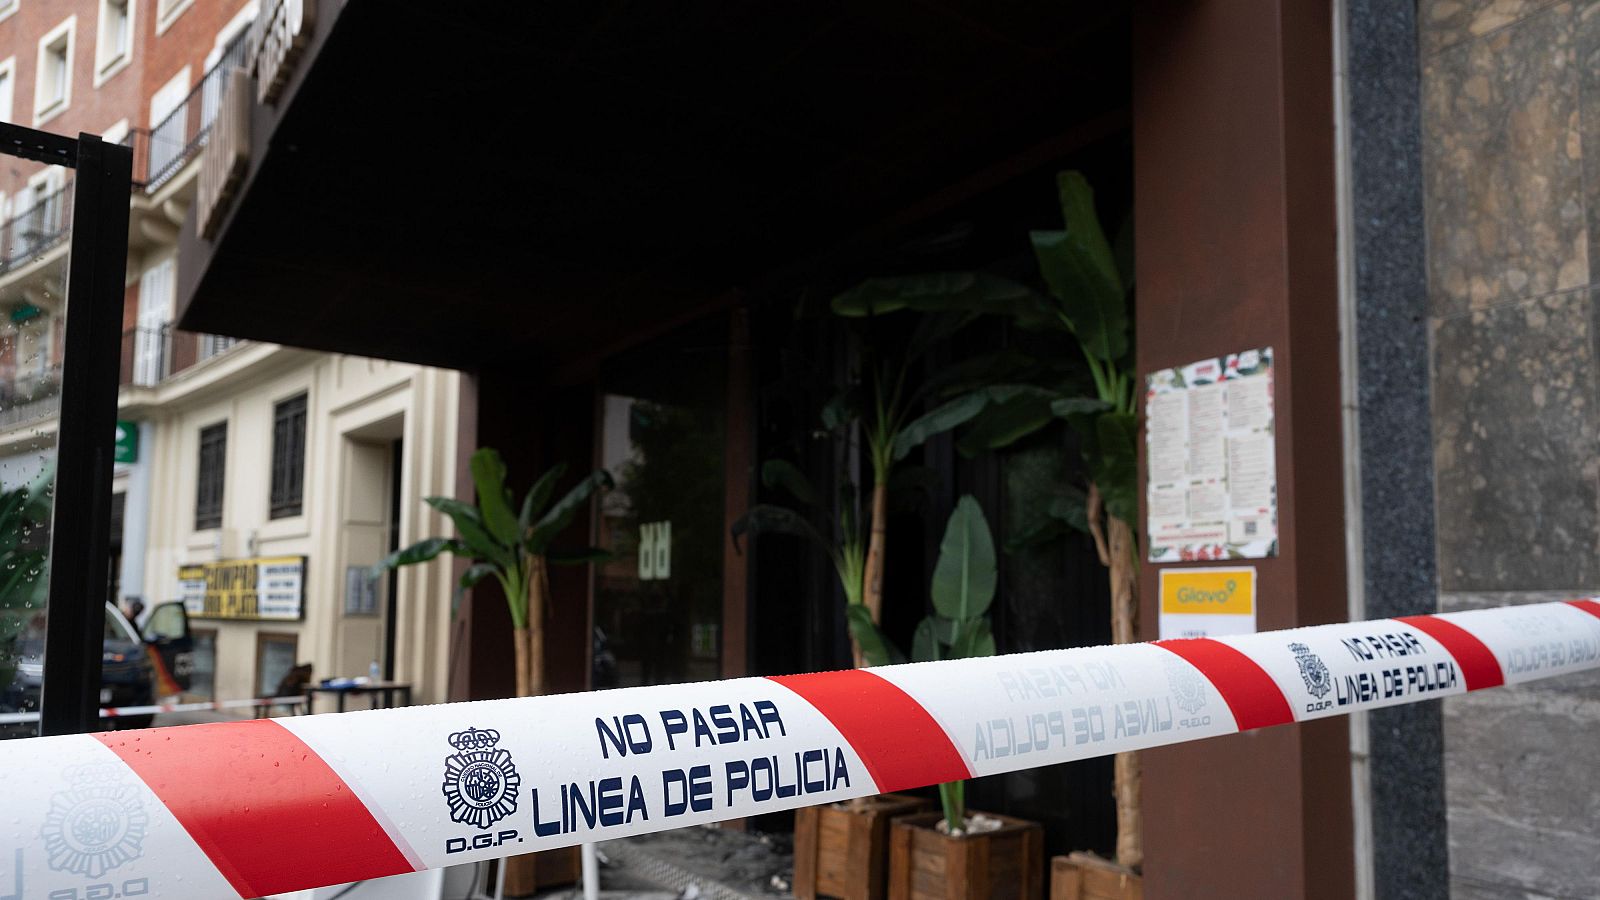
column 81, row 514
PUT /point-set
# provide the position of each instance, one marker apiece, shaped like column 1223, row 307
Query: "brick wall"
column 91, row 109
column 156, row 56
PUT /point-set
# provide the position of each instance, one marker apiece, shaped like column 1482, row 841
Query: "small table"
column 385, row 689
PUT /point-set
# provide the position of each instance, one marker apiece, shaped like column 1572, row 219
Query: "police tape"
column 264, row 806
column 113, row 712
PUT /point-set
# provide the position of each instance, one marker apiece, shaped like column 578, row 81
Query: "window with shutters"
column 288, row 456
column 152, row 339
column 213, row 469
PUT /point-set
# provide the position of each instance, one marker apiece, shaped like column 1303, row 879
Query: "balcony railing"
column 30, row 396
column 146, row 355
column 36, row 229
column 161, row 152
column 153, row 353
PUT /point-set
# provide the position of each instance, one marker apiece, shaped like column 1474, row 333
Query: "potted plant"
column 840, row 849
column 958, row 853
column 514, row 549
column 1087, row 305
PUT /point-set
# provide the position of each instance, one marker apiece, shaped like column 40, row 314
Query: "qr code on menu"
column 1250, row 529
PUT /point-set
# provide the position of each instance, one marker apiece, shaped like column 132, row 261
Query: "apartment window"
column 52, row 90
column 7, row 7
column 213, row 466
column 114, row 43
column 152, row 337
column 213, row 344
column 168, row 10
column 169, row 121
column 8, row 81
column 288, row 456
column 39, row 217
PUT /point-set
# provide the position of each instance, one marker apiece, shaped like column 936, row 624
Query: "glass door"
column 58, row 385
column 658, row 603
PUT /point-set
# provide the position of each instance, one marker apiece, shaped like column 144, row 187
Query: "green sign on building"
column 127, row 442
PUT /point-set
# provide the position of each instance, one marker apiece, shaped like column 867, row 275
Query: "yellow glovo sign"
column 1208, row 602
column 261, row 588
column 1217, row 591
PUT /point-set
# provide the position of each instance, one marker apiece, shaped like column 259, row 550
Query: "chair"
column 294, row 683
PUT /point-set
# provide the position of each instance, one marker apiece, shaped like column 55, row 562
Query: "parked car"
column 133, row 666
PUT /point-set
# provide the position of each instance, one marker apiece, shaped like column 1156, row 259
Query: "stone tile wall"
column 1511, row 98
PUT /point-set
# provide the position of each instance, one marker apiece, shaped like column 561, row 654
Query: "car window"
column 117, row 628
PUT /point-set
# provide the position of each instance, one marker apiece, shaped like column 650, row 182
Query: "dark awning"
column 471, row 183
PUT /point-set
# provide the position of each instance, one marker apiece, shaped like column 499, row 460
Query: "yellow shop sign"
column 1208, row 602
column 269, row 588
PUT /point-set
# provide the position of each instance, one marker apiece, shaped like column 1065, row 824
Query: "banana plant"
column 847, row 551
column 512, row 547
column 885, row 398
column 1088, row 306
column 962, row 590
column 846, row 547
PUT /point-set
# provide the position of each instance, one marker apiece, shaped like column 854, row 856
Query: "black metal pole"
column 81, row 520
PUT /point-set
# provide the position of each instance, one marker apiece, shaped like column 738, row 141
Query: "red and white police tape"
column 272, row 805
column 113, row 712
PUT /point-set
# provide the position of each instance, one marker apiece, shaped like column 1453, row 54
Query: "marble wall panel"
column 1515, row 451
column 1503, row 153
column 1446, row 23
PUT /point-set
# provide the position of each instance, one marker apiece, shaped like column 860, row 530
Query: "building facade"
column 1391, row 196
column 256, row 483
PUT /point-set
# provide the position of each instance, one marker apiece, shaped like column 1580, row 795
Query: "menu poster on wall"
column 1211, row 484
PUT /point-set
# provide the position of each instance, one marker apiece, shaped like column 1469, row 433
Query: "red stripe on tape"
column 1588, row 606
column 1252, row 695
column 900, row 743
column 267, row 810
column 1476, row 660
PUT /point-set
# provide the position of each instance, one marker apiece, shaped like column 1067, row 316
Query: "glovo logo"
column 1217, row 591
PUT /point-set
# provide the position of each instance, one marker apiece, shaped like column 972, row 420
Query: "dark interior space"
column 578, row 187
column 569, row 178
column 1051, row 595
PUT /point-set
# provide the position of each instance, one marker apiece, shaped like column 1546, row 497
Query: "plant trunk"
column 519, row 640
column 1123, row 556
column 872, row 582
column 872, row 574
column 538, row 590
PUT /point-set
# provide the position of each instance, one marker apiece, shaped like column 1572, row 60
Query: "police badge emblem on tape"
column 1312, row 670
column 96, row 824
column 480, row 781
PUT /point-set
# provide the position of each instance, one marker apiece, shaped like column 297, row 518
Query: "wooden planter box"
column 532, row 872
column 843, row 852
column 1084, row 876
column 1002, row 864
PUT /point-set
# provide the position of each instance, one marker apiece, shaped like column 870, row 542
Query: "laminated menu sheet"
column 1211, row 479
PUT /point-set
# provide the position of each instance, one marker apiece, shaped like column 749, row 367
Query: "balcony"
column 27, row 397
column 146, row 355
column 159, row 153
column 153, row 353
column 37, row 229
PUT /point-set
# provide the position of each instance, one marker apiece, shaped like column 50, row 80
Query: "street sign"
column 127, row 446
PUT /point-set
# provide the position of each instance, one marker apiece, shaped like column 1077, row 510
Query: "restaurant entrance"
column 658, row 602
